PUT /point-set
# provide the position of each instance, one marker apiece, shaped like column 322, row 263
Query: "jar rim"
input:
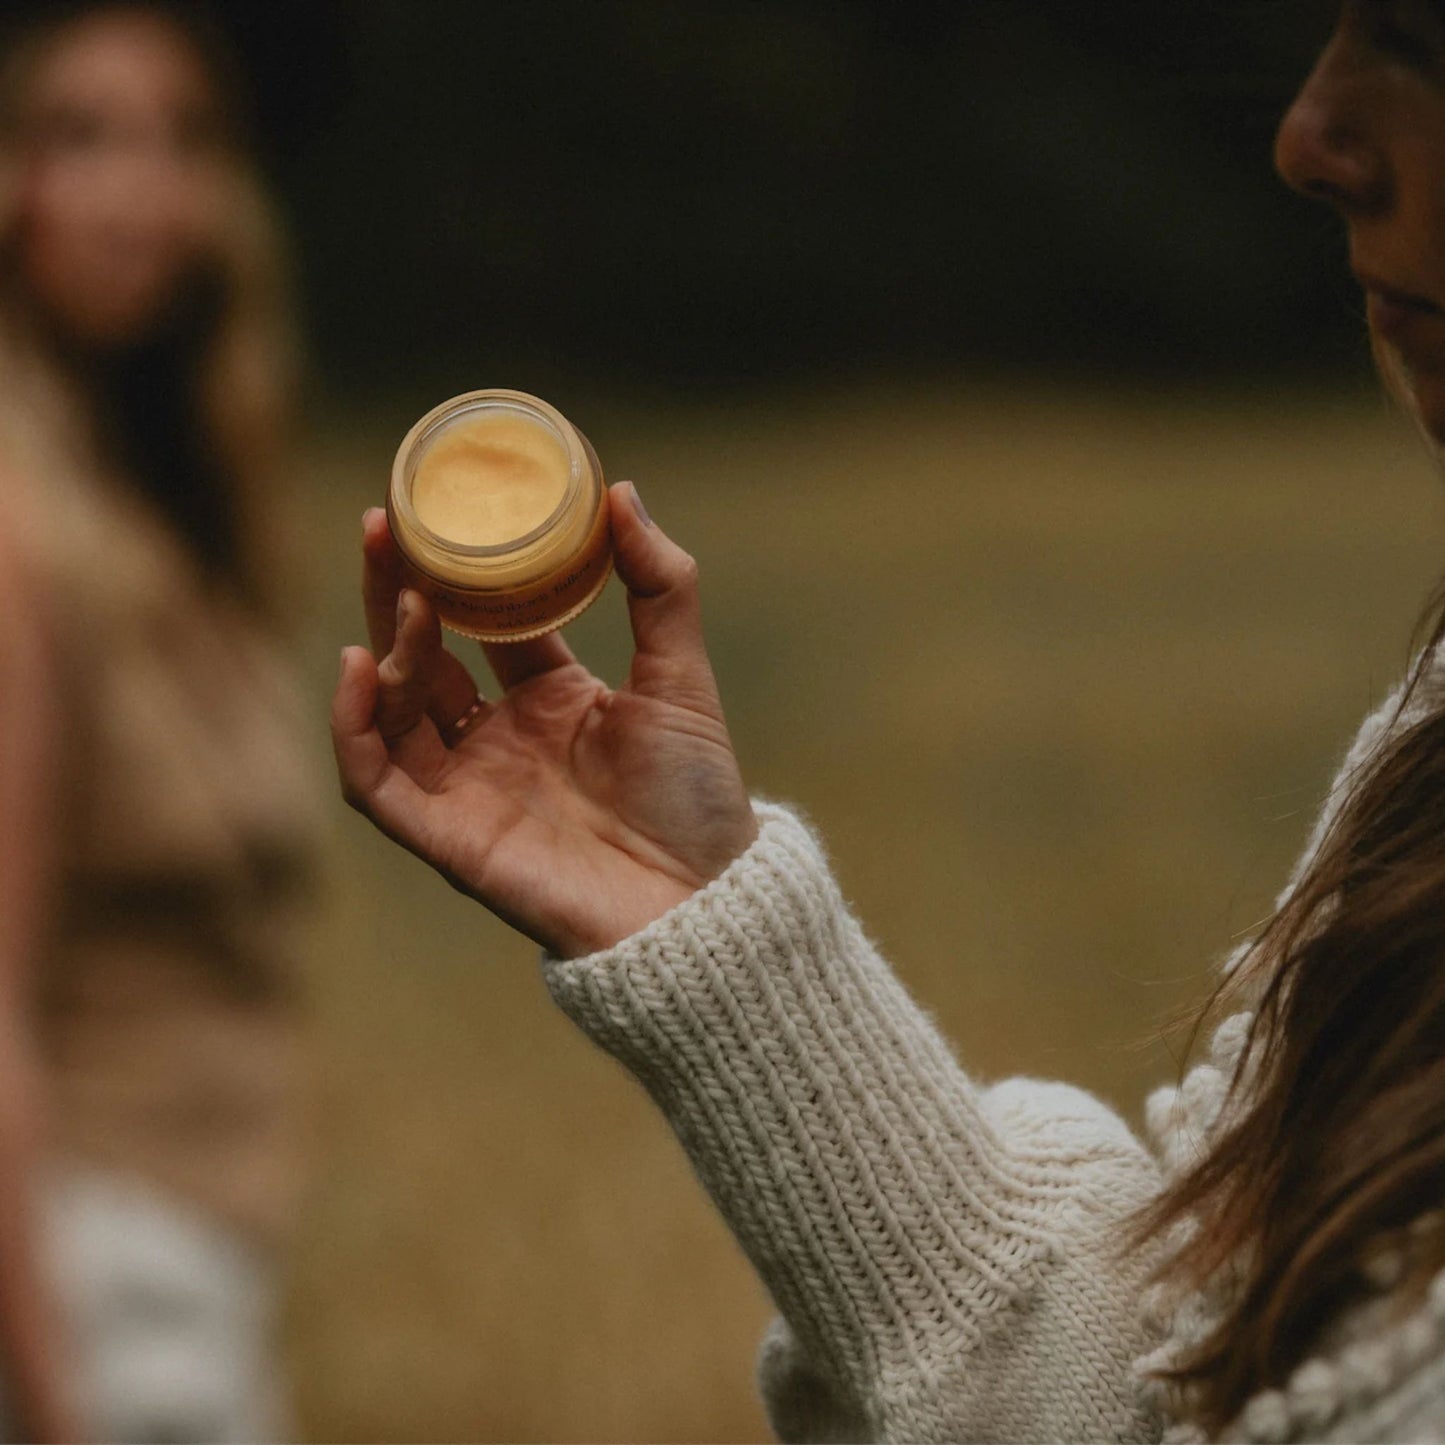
column 444, row 415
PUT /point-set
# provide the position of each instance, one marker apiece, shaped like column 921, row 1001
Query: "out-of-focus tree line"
column 694, row 194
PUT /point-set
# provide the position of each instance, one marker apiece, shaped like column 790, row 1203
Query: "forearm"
column 896, row 1224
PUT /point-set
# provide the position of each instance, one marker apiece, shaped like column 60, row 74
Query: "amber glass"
column 511, row 588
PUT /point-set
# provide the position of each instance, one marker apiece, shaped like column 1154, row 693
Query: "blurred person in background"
column 153, row 800
column 953, row 1261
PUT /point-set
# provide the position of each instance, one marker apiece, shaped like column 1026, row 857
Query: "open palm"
column 576, row 812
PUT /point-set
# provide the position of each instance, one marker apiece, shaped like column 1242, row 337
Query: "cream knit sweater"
column 944, row 1255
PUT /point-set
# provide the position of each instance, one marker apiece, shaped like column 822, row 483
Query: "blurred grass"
column 1061, row 679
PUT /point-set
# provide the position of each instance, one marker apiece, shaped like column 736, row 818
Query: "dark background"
column 693, row 195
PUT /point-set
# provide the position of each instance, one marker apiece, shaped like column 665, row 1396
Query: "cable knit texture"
column 945, row 1256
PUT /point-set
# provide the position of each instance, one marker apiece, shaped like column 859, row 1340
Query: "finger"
column 421, row 689
column 453, row 692
column 381, row 579
column 452, row 689
column 514, row 663
column 406, row 673
column 406, row 697
column 420, row 675
column 373, row 780
column 662, row 591
column 402, row 711
column 370, row 781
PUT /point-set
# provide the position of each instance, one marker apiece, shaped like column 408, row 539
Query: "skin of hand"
column 576, row 812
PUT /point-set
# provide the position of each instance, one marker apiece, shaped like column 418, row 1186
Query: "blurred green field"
column 1061, row 680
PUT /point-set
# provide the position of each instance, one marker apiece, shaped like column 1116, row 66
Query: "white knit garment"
column 946, row 1257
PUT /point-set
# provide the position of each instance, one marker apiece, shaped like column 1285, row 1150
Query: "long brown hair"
column 1331, row 1144
column 199, row 418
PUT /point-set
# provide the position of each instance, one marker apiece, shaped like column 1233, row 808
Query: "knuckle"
column 686, row 570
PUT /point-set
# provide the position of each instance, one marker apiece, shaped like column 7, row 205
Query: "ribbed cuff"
column 821, row 1109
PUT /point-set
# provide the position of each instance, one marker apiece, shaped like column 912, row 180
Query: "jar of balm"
column 499, row 509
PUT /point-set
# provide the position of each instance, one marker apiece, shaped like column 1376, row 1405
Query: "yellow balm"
column 489, row 479
column 499, row 507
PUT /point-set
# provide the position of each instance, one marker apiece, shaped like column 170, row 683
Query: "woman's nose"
column 1322, row 150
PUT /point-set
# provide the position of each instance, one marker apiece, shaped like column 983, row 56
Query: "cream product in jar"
column 499, row 508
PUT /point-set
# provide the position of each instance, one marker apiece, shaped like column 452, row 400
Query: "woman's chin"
column 1426, row 400
column 1420, row 389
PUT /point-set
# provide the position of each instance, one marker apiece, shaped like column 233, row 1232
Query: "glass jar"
column 499, row 508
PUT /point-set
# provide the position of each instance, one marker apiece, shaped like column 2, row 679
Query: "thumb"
column 662, row 594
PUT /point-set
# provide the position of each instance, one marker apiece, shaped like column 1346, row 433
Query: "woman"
column 1008, row 1263
column 157, row 823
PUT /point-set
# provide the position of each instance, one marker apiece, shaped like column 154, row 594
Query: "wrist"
column 650, row 903
column 626, row 919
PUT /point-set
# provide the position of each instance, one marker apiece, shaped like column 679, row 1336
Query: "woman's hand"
column 576, row 813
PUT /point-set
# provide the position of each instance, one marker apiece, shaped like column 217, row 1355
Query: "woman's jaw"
column 1407, row 339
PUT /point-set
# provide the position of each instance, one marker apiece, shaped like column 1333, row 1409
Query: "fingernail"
column 637, row 505
column 342, row 672
column 403, row 607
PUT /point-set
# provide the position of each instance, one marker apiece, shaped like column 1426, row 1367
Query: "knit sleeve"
column 945, row 1257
